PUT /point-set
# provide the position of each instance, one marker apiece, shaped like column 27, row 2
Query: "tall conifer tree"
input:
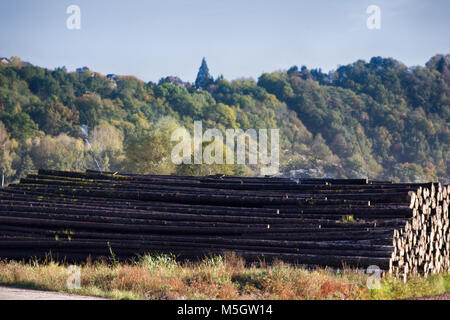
column 204, row 79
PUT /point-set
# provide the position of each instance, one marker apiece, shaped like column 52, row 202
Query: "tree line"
column 378, row 119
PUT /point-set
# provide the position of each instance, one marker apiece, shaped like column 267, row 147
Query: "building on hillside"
column 177, row 81
column 4, row 60
column 112, row 76
column 81, row 70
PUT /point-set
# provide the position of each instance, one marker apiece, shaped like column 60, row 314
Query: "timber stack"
column 403, row 228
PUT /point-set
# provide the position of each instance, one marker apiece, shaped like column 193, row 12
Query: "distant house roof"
column 83, row 69
column 112, row 76
column 175, row 80
column 4, row 60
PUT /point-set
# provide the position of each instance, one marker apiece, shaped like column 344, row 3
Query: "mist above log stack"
column 401, row 228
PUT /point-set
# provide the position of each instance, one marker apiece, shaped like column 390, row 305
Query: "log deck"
column 402, row 228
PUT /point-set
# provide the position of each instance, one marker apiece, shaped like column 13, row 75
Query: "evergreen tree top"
column 204, row 79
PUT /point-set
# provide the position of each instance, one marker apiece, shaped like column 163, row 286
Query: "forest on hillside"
column 378, row 119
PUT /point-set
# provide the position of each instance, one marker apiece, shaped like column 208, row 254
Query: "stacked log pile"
column 422, row 246
column 401, row 228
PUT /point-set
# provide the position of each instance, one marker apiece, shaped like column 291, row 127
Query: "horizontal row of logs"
column 73, row 216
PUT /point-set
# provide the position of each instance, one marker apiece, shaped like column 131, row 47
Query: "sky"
column 239, row 38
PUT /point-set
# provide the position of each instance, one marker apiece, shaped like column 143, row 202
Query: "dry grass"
column 161, row 277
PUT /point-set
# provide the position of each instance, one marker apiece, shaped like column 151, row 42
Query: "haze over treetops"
column 377, row 119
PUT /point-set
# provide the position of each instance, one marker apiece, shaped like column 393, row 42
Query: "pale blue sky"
column 239, row 38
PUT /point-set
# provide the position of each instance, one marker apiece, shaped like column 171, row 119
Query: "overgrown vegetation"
column 348, row 219
column 162, row 277
column 379, row 119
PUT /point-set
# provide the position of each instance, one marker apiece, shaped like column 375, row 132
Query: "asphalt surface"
column 444, row 296
column 7, row 293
